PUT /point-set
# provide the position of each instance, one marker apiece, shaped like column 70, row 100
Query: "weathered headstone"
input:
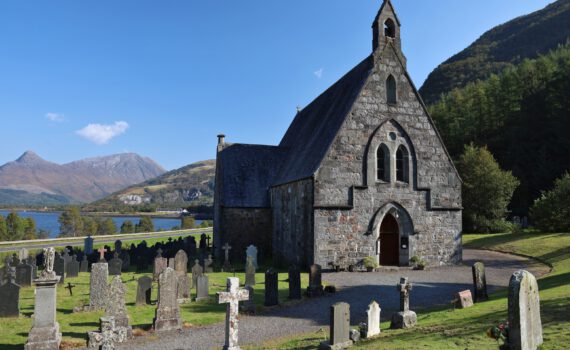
column 144, row 289
column 202, row 288
column 72, row 267
column 525, row 325
column 23, row 254
column 271, row 288
column 115, row 265
column 160, row 264
column 59, row 267
column 249, row 304
column 181, row 263
column 405, row 318
column 31, row 260
column 109, row 335
column 116, row 304
column 372, row 328
column 232, row 297
column 84, row 266
column 167, row 316
column 251, row 250
column 479, row 282
column 315, row 288
column 45, row 334
column 88, row 245
column 339, row 328
column 10, row 295
column 118, row 249
column 181, row 269
column 126, row 259
column 24, row 273
column 208, row 264
column 249, row 272
column 227, row 265
column 294, row 283
column 197, row 270
column 98, row 285
column 463, row 299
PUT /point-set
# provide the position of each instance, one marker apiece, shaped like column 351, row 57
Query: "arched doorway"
column 389, row 241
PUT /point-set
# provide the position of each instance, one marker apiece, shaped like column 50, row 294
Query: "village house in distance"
column 361, row 171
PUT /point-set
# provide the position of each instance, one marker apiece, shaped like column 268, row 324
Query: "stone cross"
column 227, row 249
column 108, row 336
column 102, row 252
column 404, row 287
column 232, row 297
column 70, row 288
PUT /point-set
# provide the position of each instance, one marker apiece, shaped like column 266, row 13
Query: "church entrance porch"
column 389, row 238
column 392, row 228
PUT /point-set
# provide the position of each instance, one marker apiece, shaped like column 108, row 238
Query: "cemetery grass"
column 445, row 328
column 74, row 326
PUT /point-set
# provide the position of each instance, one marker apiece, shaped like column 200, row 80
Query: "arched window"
column 391, row 90
column 383, row 163
column 402, row 162
column 389, row 28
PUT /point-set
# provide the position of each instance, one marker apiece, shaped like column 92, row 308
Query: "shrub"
column 418, row 263
column 551, row 212
column 370, row 262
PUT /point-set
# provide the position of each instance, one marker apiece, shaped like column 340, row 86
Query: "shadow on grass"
column 65, row 311
column 77, row 335
column 11, row 347
column 553, row 281
column 490, row 240
column 556, row 256
column 85, row 324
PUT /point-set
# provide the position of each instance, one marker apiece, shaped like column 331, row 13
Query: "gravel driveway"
column 432, row 287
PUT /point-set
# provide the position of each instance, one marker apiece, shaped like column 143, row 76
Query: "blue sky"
column 163, row 78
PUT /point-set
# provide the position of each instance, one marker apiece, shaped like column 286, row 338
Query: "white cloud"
column 102, row 133
column 55, row 117
column 319, row 73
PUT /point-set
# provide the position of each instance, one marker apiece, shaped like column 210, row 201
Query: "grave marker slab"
column 479, row 282
column 59, row 267
column 160, row 264
column 315, row 288
column 339, row 328
column 463, row 299
column 72, row 267
column 249, row 272
column 251, row 250
column 167, row 317
column 271, row 288
column 144, row 288
column 227, row 266
column 10, row 297
column 372, row 320
column 98, row 285
column 202, row 288
column 197, row 271
column 294, row 283
column 208, row 264
column 115, row 265
column 84, row 266
column 24, row 273
column 525, row 325
column 116, row 307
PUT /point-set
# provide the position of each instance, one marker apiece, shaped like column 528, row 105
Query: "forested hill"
column 522, row 115
column 501, row 47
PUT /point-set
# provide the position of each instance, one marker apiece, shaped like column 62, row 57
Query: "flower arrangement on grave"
column 418, row 263
column 499, row 332
column 370, row 263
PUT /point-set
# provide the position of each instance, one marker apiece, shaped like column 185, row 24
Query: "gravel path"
column 432, row 287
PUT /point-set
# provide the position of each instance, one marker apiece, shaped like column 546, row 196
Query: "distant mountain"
column 191, row 185
column 503, row 46
column 31, row 180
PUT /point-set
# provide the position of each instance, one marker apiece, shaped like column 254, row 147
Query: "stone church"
column 361, row 171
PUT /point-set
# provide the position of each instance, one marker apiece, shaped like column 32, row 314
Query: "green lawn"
column 74, row 326
column 465, row 329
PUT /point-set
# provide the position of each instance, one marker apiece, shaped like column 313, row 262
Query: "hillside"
column 501, row 47
column 191, row 185
column 31, row 180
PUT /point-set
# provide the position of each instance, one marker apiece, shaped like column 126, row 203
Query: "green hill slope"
column 501, row 47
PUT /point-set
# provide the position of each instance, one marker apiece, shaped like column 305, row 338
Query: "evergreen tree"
column 145, row 225
column 107, row 227
column 188, row 222
column 551, row 212
column 127, row 227
column 30, row 228
column 70, row 223
column 3, row 229
column 16, row 227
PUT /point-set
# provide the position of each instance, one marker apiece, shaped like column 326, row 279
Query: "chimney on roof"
column 221, row 139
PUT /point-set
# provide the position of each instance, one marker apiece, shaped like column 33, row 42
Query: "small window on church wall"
column 383, row 164
column 402, row 161
column 391, row 90
column 389, row 28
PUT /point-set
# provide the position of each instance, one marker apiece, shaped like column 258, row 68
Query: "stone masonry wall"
column 244, row 226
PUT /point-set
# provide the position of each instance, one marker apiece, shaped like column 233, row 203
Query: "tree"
column 487, row 190
column 90, row 225
column 127, row 227
column 145, row 225
column 3, row 229
column 551, row 212
column 15, row 227
column 30, row 228
column 107, row 227
column 70, row 223
column 188, row 222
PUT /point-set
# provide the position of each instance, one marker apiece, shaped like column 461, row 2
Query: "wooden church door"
column 389, row 242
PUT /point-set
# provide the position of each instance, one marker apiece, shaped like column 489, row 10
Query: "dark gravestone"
column 118, row 246
column 339, row 328
column 72, row 267
column 32, row 262
column 294, row 283
column 271, row 288
column 10, row 298
column 126, row 259
column 59, row 267
column 203, row 243
column 315, row 288
column 144, row 289
column 479, row 282
column 115, row 265
column 84, row 266
column 24, row 275
column 88, row 245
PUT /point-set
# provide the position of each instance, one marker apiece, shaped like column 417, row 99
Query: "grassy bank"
column 465, row 329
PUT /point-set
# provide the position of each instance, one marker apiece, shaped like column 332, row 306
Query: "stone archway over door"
column 389, row 241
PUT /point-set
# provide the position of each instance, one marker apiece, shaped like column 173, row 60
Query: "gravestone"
column 171, row 262
column 167, row 317
column 249, row 304
column 339, row 328
column 249, row 272
column 115, row 265
column 59, row 267
column 271, row 288
column 116, row 305
column 208, row 264
column 203, row 244
column 126, row 259
column 294, row 283
column 23, row 254
column 197, row 271
column 181, row 268
column 98, row 285
column 463, row 299
column 372, row 328
column 315, row 288
column 232, row 296
column 202, row 288
column 405, row 318
column 191, row 245
column 102, row 252
column 45, row 334
column 88, row 245
column 10, row 296
column 479, row 282
column 24, row 274
column 31, row 260
column 160, row 264
column 525, row 325
column 84, row 266
column 72, row 267
column 66, row 256
column 181, row 263
column 144, row 289
column 252, row 251
column 118, row 249
column 227, row 266
column 108, row 335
